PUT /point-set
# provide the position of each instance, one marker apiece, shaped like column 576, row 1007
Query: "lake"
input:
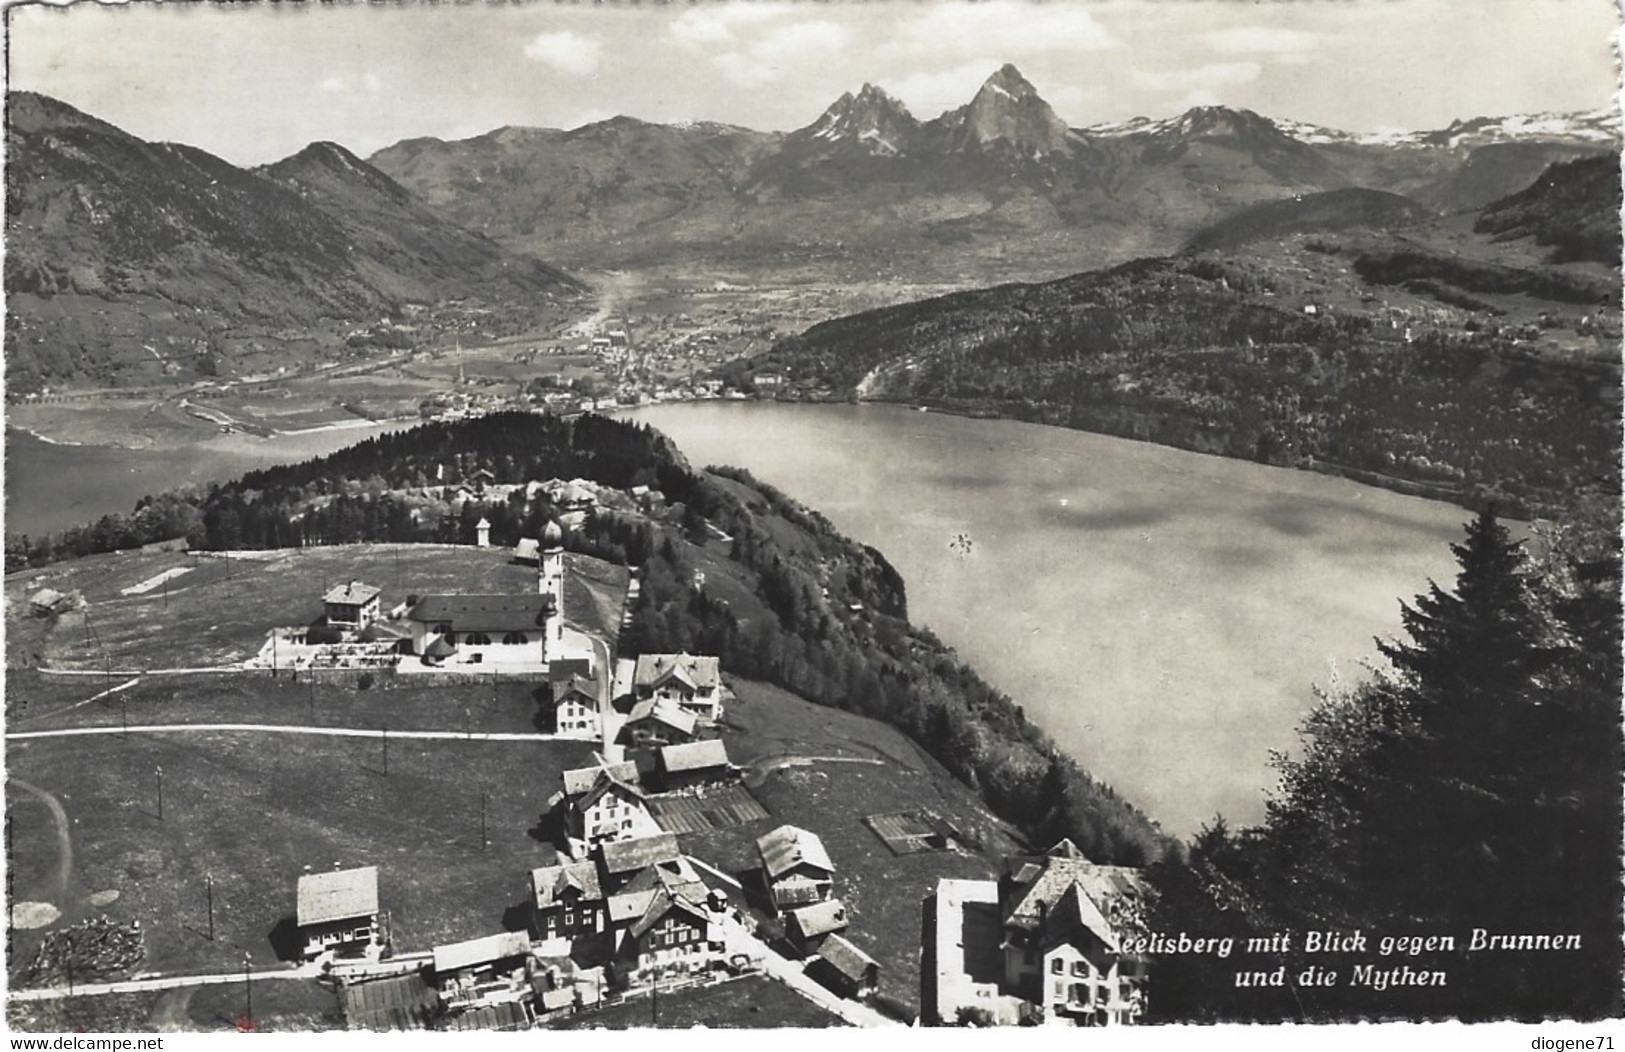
column 1164, row 615
column 51, row 486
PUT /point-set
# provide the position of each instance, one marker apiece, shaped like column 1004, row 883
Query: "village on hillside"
column 630, row 904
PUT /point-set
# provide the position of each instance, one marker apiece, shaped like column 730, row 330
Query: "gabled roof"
column 697, row 672
column 846, row 958
column 339, row 895
column 694, row 756
column 352, row 592
column 527, row 548
column 481, row 951
column 787, row 847
column 1033, row 887
column 549, row 884
column 662, row 903
column 485, row 613
column 580, row 780
column 662, row 711
column 608, row 781
column 625, row 856
column 576, row 684
column 820, row 918
column 1075, row 912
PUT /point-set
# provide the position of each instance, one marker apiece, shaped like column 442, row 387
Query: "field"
column 251, row 813
column 754, row 1001
column 221, row 610
column 279, row 1007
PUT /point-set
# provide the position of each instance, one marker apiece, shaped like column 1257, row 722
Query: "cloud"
column 781, row 50
column 1261, row 40
column 565, row 51
column 715, row 24
column 341, row 84
column 1200, row 82
column 930, row 93
column 1012, row 30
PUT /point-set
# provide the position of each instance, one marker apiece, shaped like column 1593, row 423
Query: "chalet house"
column 490, row 628
column 567, row 901
column 844, row 969
column 671, row 936
column 796, row 868
column 483, row 971
column 1063, row 917
column 655, row 723
column 1057, row 924
column 338, row 912
column 603, row 804
column 575, row 707
column 694, row 683
column 807, row 928
column 49, row 601
column 693, row 764
column 572, row 501
column 528, row 550
column 353, row 605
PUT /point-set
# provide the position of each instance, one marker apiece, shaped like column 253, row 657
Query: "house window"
column 515, row 638
column 1080, row 968
column 477, row 639
column 1056, row 965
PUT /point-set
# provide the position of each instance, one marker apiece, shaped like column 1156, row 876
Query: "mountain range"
column 1001, row 180
column 129, row 261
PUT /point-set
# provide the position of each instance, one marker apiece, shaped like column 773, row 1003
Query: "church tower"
column 550, row 582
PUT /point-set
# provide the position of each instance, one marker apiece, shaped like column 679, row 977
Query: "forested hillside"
column 1418, row 385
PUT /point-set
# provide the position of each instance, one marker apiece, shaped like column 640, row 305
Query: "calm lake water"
column 51, row 486
column 1163, row 614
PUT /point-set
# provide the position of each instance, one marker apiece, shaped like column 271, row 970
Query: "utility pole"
column 248, row 993
column 386, row 750
column 124, row 715
column 160, row 794
column 208, row 883
column 485, row 841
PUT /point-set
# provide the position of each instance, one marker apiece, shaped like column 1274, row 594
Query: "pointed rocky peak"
column 872, row 119
column 326, row 164
column 1008, row 109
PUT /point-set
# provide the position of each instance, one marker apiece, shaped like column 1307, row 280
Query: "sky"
column 253, row 83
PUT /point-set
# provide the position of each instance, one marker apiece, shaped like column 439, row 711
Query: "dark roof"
column 339, row 895
column 662, row 711
column 662, row 903
column 624, row 856
column 485, row 613
column 550, row 882
column 694, row 756
column 576, row 683
column 846, row 958
column 787, row 847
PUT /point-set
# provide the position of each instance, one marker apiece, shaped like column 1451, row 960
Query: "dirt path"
column 64, row 842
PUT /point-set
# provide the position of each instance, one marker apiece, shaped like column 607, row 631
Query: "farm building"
column 693, row 682
column 694, row 763
column 797, row 869
column 353, row 605
column 671, row 935
column 483, row 971
column 657, row 722
column 338, row 911
column 844, row 969
column 808, row 927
